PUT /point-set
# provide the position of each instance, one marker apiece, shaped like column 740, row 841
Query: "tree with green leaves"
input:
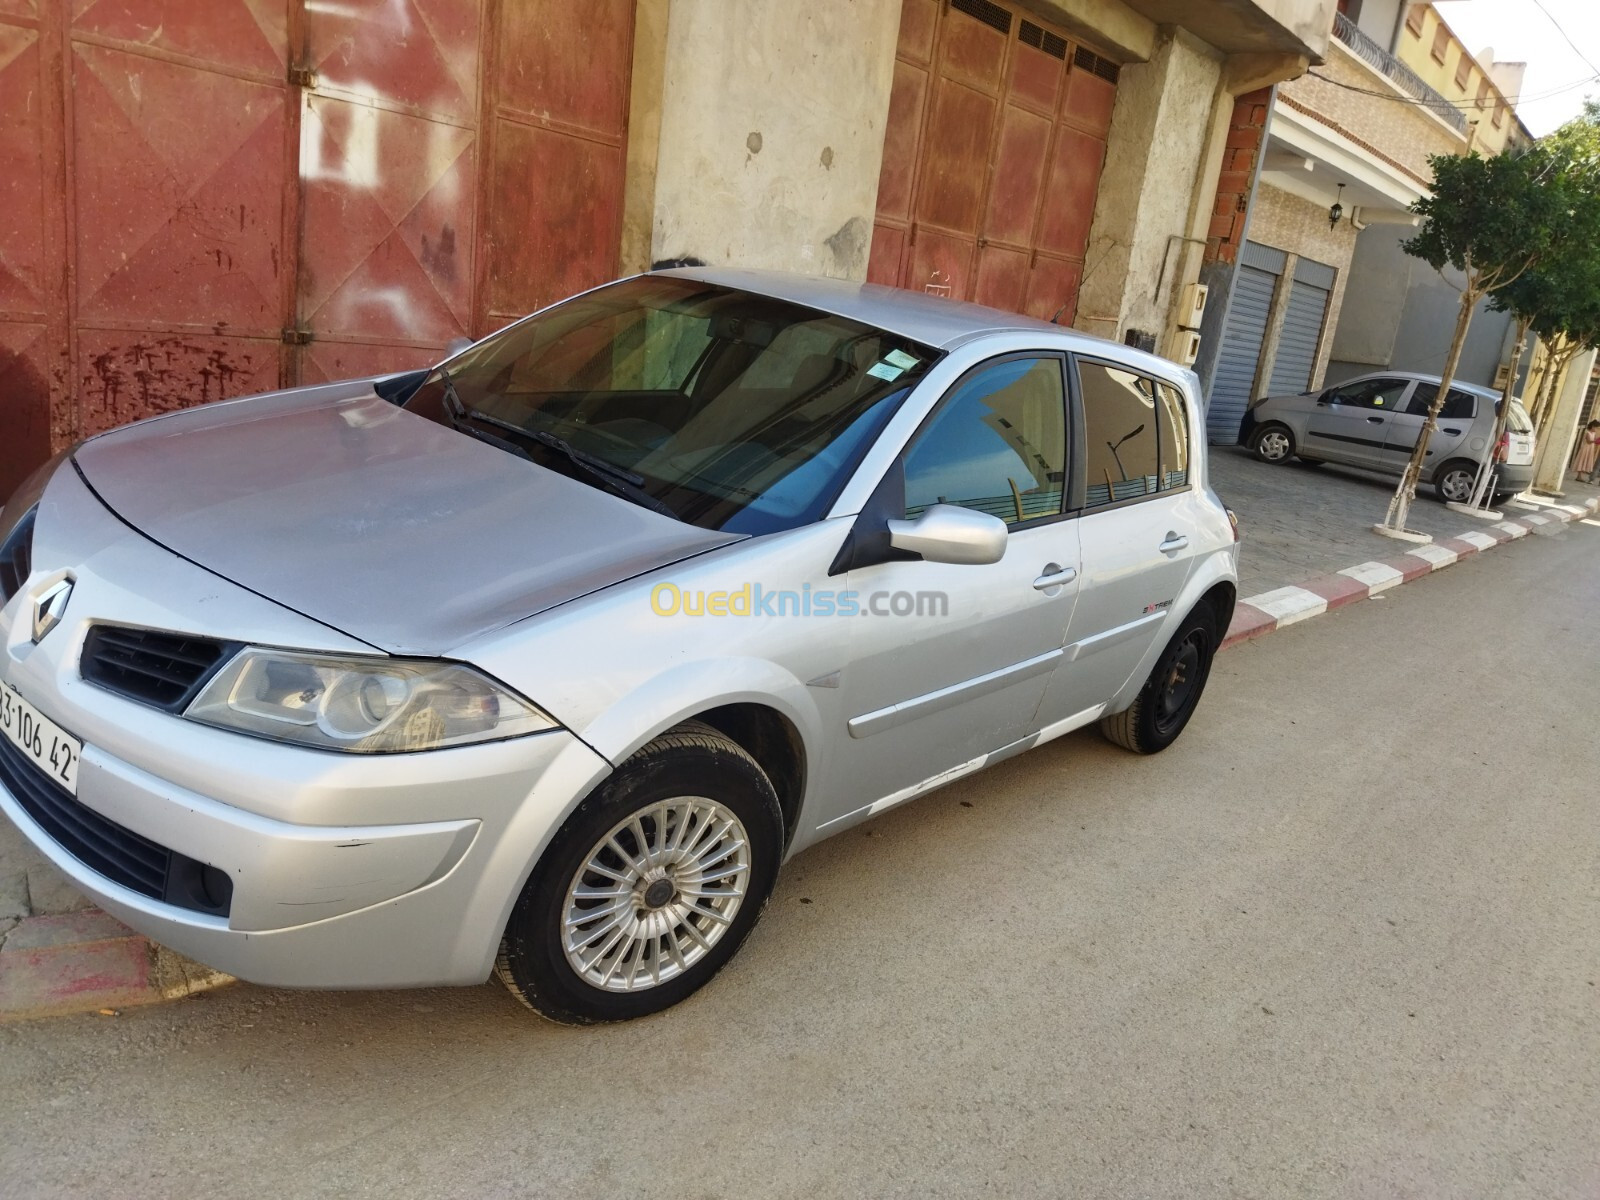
column 1490, row 220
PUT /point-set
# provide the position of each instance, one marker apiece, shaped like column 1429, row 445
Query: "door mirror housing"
column 946, row 533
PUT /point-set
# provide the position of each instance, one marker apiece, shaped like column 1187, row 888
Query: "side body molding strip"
column 877, row 721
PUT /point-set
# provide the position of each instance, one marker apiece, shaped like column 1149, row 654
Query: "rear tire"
column 1171, row 694
column 1453, row 482
column 1272, row 443
column 650, row 886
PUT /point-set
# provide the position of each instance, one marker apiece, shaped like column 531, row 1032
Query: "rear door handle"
column 1174, row 542
column 1452, row 432
column 1374, row 420
column 1054, row 577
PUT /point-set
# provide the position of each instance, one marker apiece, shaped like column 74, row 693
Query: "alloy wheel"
column 1274, row 445
column 656, row 894
column 1457, row 486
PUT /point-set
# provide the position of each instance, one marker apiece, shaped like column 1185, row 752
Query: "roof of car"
column 921, row 316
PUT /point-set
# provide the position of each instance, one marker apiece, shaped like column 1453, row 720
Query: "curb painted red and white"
column 89, row 962
column 1257, row 615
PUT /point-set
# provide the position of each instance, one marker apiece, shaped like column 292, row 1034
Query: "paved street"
column 1300, row 521
column 1344, row 940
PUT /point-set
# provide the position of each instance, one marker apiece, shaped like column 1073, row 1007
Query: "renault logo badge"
column 49, row 606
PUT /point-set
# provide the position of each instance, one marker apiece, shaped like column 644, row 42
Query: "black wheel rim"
column 1179, row 679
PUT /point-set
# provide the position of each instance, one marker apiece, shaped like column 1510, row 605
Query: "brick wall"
column 1246, row 132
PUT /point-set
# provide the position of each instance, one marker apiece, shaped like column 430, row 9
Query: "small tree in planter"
column 1491, row 220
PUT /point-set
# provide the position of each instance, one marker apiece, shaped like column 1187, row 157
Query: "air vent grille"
column 990, row 14
column 162, row 669
column 1088, row 60
column 1052, row 44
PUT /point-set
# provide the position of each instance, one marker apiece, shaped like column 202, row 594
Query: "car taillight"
column 1233, row 520
column 1503, row 450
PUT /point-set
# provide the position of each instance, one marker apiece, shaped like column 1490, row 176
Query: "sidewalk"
column 1308, row 548
column 1299, row 521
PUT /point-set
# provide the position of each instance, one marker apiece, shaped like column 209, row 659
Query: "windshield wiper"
column 620, row 480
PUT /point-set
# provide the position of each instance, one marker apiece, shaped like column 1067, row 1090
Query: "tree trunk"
column 1486, row 468
column 1554, row 364
column 1400, row 503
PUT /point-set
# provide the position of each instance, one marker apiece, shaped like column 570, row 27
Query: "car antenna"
column 1059, row 311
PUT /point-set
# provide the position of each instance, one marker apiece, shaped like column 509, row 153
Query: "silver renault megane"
column 541, row 662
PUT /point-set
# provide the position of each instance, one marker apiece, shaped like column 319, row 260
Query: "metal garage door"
column 1249, row 306
column 204, row 198
column 1302, row 328
column 992, row 156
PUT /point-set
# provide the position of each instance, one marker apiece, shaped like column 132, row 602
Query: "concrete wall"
column 1159, row 135
column 1406, row 316
column 772, row 121
column 1378, row 19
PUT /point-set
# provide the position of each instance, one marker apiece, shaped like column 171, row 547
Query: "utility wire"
column 1551, row 18
column 1441, row 102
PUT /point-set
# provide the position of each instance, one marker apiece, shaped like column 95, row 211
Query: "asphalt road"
column 1342, row 940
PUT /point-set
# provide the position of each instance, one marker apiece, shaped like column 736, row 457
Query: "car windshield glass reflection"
column 729, row 410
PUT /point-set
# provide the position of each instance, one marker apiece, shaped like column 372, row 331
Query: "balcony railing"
column 1398, row 73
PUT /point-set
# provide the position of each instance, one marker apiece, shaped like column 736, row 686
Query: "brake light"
column 1233, row 520
column 1503, row 450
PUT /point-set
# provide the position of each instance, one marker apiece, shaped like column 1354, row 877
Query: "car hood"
column 375, row 521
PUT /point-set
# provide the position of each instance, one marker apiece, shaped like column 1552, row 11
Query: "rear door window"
column 1458, row 405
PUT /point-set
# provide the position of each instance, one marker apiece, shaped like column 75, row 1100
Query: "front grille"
column 106, row 848
column 16, row 556
column 166, row 670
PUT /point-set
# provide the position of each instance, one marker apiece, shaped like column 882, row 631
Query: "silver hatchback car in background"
column 542, row 661
column 1373, row 421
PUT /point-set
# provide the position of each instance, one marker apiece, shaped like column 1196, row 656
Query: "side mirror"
column 945, row 533
column 456, row 345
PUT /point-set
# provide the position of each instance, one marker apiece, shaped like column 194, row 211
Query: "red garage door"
column 992, row 158
column 212, row 197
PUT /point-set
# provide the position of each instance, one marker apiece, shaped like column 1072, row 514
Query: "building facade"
column 1344, row 155
column 206, row 198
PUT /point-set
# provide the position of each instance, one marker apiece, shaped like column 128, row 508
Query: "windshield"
column 731, row 410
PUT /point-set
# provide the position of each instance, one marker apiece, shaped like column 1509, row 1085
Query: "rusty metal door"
column 992, row 157
column 206, row 198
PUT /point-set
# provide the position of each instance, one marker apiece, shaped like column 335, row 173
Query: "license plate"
column 52, row 749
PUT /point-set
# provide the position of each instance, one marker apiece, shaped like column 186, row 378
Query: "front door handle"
column 1374, row 420
column 1174, row 542
column 1054, row 576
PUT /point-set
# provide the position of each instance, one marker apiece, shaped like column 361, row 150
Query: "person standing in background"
column 1588, row 452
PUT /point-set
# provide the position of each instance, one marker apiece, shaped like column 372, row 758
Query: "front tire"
column 1273, row 443
column 651, row 885
column 1169, row 697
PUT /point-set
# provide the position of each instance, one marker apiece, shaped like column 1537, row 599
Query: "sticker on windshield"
column 899, row 358
column 884, row 371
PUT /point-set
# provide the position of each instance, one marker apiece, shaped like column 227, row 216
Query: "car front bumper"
column 347, row 870
column 338, row 906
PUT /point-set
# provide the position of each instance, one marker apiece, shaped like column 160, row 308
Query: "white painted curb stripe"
column 1289, row 604
column 1513, row 529
column 1437, row 555
column 1376, row 575
column 1536, row 519
column 1476, row 537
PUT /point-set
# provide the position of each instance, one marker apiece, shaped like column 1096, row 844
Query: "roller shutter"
column 1248, row 310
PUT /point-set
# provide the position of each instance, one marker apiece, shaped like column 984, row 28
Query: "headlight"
column 363, row 706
